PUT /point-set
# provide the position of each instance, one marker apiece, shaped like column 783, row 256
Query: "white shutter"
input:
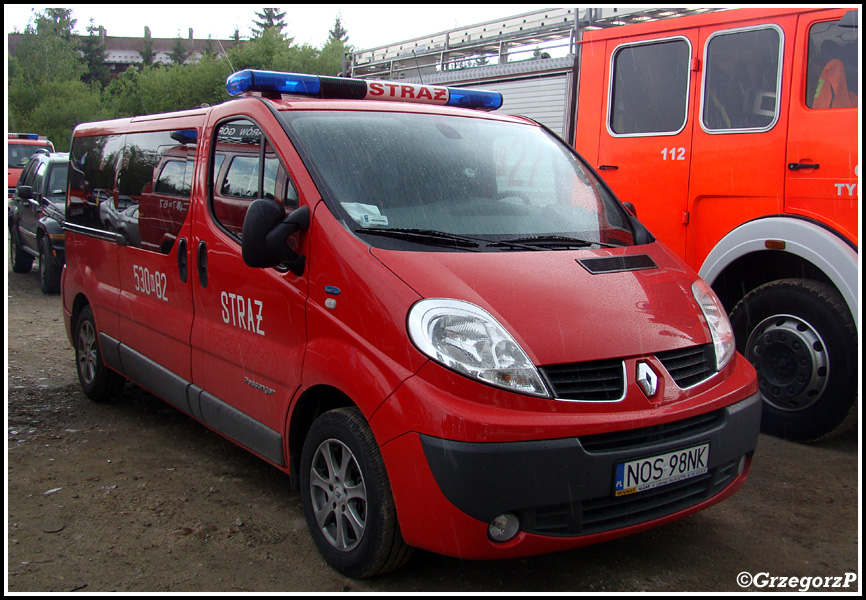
column 541, row 98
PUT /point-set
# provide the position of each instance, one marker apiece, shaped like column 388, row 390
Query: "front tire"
column 49, row 271
column 98, row 382
column 801, row 339
column 347, row 497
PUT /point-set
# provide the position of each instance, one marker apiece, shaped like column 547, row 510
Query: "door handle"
column 797, row 166
column 202, row 264
column 607, row 167
column 181, row 259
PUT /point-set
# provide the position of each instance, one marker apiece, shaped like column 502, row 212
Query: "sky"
column 368, row 25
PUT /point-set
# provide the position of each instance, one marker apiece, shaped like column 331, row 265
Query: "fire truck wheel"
column 49, row 271
column 347, row 497
column 98, row 382
column 21, row 261
column 801, row 339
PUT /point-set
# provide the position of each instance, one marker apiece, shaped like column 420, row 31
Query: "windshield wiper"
column 424, row 236
column 554, row 241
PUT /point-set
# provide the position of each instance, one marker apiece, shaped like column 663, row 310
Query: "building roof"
column 122, row 52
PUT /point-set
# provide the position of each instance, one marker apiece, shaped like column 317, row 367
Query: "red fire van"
column 438, row 321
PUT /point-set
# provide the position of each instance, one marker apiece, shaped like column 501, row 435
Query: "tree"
column 270, row 19
column 147, row 54
column 338, row 32
column 180, row 53
column 93, row 51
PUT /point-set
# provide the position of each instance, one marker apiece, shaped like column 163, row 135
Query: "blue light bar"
column 271, row 82
column 250, row 80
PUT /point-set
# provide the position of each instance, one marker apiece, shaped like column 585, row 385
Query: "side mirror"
column 630, row 208
column 266, row 236
column 849, row 20
column 25, row 192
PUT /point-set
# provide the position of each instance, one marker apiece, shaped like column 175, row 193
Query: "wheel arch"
column 312, row 403
column 741, row 261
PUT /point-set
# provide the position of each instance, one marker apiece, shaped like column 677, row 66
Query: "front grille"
column 605, row 514
column 602, row 380
column 689, row 366
column 666, row 432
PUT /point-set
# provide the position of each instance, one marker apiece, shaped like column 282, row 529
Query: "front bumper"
column 565, row 487
column 562, row 490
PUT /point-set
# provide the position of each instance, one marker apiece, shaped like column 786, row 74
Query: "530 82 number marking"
column 150, row 283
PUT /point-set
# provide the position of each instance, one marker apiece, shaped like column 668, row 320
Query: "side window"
column 246, row 168
column 742, row 79
column 153, row 189
column 650, row 88
column 833, row 66
column 93, row 164
column 39, row 180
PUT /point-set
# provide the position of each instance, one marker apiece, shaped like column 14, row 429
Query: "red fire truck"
column 733, row 133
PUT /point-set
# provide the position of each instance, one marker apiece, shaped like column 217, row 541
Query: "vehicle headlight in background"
column 467, row 339
column 717, row 319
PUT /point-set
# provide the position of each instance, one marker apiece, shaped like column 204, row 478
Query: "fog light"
column 504, row 527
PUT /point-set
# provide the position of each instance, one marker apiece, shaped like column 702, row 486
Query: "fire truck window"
column 93, row 166
column 833, row 66
column 245, row 178
column 650, row 88
column 153, row 193
column 742, row 80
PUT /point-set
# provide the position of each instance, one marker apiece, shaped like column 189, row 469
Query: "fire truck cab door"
column 648, row 129
column 821, row 169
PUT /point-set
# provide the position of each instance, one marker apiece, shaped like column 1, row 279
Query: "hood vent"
column 617, row 264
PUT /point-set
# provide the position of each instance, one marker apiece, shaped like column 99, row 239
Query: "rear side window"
column 246, row 168
column 93, row 165
column 742, row 80
column 649, row 88
column 833, row 66
column 136, row 185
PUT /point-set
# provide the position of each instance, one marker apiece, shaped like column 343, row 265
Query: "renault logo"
column 646, row 379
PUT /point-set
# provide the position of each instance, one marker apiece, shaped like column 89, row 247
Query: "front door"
column 249, row 332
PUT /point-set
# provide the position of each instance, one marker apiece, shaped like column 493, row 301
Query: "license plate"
column 647, row 473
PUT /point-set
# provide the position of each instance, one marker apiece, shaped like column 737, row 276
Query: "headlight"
column 467, row 339
column 717, row 319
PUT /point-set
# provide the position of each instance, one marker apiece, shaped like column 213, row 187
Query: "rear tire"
column 21, row 261
column 98, row 382
column 347, row 497
column 49, row 270
column 801, row 339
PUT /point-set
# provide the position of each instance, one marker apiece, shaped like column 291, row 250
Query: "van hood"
column 560, row 312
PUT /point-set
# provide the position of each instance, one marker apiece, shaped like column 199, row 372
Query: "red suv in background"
column 21, row 147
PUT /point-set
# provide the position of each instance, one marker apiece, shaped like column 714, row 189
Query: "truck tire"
column 98, row 382
column 49, row 270
column 801, row 339
column 352, row 520
column 21, row 261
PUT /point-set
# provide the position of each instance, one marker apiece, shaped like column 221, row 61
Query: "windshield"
column 404, row 179
column 19, row 153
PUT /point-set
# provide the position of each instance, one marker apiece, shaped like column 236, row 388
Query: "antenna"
column 417, row 68
column 226, row 55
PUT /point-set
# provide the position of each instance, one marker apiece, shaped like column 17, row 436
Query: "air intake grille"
column 602, row 380
column 608, row 513
column 689, row 366
column 664, row 433
column 615, row 264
